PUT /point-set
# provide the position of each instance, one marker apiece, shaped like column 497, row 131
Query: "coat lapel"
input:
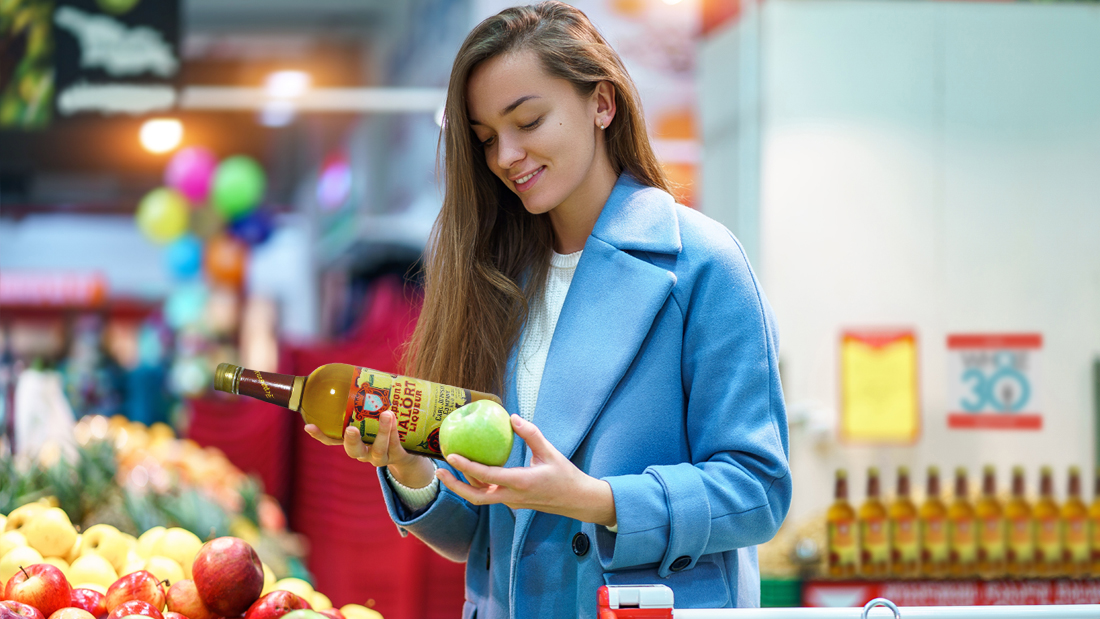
column 612, row 302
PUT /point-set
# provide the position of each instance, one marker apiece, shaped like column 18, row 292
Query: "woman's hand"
column 551, row 484
column 408, row 469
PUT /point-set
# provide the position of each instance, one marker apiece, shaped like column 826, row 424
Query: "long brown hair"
column 488, row 257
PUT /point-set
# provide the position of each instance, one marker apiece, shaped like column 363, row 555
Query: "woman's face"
column 538, row 133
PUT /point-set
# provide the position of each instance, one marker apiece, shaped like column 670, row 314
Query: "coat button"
column 581, row 544
column 680, row 563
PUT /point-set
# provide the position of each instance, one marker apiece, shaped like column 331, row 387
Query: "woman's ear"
column 605, row 104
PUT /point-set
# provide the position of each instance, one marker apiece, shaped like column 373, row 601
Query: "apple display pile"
column 49, row 571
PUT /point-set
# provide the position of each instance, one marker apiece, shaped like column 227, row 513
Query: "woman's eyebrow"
column 510, row 107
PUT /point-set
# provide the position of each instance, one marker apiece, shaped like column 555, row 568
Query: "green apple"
column 480, row 431
column 303, row 613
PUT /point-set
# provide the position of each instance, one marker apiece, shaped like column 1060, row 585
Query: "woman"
column 626, row 334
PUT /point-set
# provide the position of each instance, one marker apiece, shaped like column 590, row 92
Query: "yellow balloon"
column 163, row 215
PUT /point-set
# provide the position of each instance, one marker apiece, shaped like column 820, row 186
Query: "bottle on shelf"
column 1021, row 529
column 840, row 530
column 1048, row 528
column 961, row 541
column 933, row 529
column 989, row 520
column 904, row 547
column 1094, row 525
column 336, row 396
column 1075, row 531
column 874, row 547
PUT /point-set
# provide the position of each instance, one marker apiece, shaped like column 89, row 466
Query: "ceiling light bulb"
column 161, row 135
column 287, row 84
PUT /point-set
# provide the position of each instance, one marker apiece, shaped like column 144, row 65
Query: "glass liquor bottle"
column 989, row 519
column 336, row 396
column 1075, row 532
column 904, row 547
column 961, row 541
column 1048, row 528
column 1094, row 526
column 1021, row 529
column 874, row 547
column 933, row 529
column 840, row 530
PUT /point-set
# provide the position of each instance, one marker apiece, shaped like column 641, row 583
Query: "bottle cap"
column 225, row 377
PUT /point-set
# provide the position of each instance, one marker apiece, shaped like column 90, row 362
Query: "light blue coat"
column 662, row 379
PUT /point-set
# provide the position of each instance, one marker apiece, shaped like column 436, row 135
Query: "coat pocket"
column 703, row 586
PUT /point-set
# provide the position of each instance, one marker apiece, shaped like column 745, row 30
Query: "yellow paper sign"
column 879, row 398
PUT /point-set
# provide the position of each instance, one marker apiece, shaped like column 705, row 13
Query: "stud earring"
column 602, row 127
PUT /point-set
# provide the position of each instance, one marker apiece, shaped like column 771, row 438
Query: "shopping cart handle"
column 635, row 602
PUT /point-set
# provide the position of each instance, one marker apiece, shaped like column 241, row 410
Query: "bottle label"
column 903, row 533
column 991, row 539
column 842, row 544
column 875, row 547
column 933, row 541
column 419, row 406
column 960, row 536
column 1048, row 544
column 1077, row 540
column 1021, row 540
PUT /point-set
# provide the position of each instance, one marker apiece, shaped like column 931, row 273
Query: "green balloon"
column 238, row 186
column 162, row 215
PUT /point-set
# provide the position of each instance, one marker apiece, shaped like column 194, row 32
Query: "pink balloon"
column 190, row 172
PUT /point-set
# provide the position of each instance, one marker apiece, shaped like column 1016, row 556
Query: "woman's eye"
column 532, row 125
column 487, row 142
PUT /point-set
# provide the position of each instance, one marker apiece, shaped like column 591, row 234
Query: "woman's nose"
column 509, row 153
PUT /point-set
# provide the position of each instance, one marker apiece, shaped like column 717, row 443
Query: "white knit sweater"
column 531, row 360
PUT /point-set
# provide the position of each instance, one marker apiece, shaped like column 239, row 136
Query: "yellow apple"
column 50, row 532
column 181, row 546
column 319, row 601
column 107, row 542
column 20, row 516
column 131, row 541
column 20, row 555
column 59, row 563
column 11, row 539
column 148, row 539
column 3, row 521
column 74, row 552
column 358, row 611
column 296, row 586
column 93, row 568
column 164, row 568
column 269, row 579
column 134, row 562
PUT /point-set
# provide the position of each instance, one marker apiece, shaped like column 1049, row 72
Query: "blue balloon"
column 186, row 304
column 183, row 257
column 254, row 228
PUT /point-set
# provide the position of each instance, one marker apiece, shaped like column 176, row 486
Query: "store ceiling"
column 93, row 163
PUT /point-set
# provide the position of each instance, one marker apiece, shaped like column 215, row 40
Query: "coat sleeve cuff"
column 663, row 519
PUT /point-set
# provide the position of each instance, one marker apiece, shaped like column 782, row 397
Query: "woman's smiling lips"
column 523, row 183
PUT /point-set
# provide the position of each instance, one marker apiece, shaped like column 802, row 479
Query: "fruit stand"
column 134, row 521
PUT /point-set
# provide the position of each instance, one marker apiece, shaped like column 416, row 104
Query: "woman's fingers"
column 316, row 433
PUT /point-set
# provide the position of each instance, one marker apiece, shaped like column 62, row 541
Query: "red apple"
column 42, row 586
column 275, row 604
column 139, row 585
column 135, row 607
column 10, row 609
column 173, row 615
column 71, row 612
column 228, row 575
column 332, row 613
column 90, row 600
column 183, row 598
